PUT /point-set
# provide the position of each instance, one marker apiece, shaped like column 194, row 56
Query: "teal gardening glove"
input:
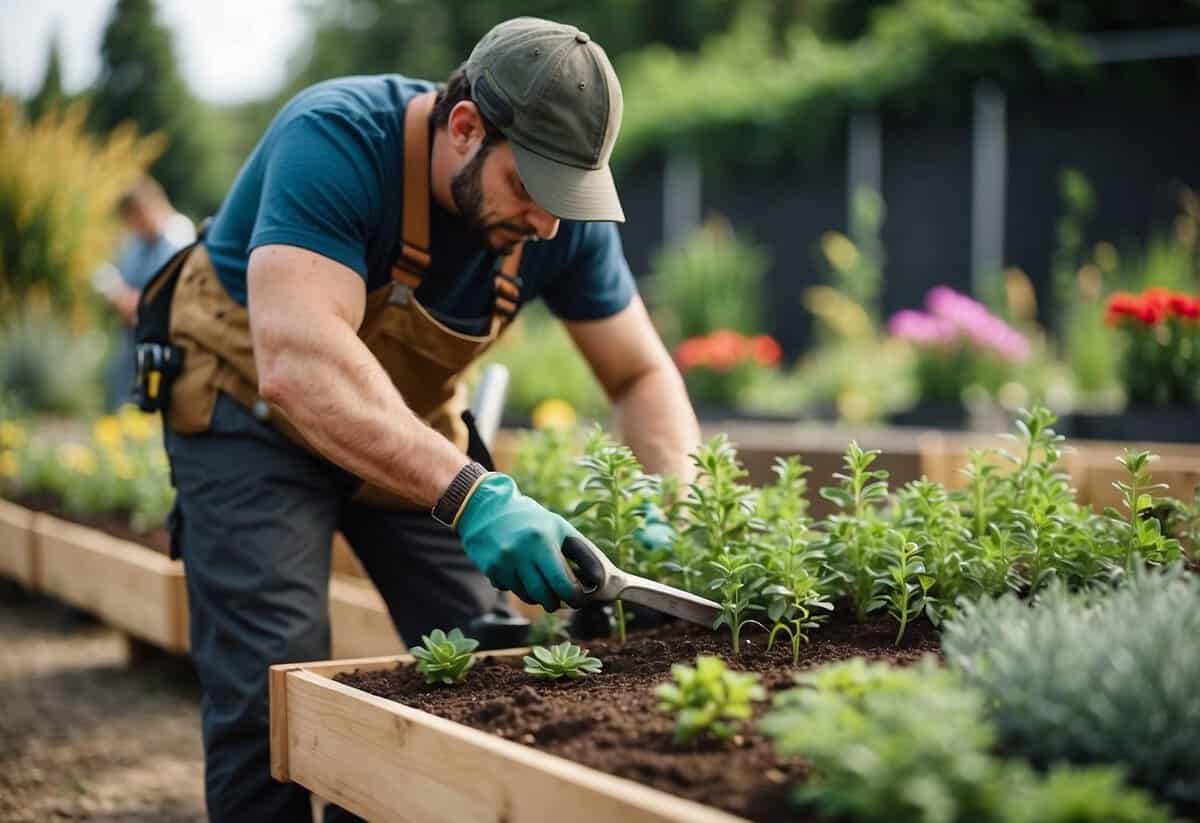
column 517, row 543
column 655, row 532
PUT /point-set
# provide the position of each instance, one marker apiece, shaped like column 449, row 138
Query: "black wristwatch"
column 445, row 511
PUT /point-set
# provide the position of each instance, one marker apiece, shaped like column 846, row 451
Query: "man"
column 376, row 242
column 155, row 231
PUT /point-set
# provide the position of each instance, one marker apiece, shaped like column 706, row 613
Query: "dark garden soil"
column 610, row 722
column 115, row 525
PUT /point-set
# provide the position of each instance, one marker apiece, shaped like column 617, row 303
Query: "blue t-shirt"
column 328, row 177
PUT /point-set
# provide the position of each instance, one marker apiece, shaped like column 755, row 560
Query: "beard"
column 483, row 226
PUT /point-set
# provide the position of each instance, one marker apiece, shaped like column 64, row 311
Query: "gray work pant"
column 254, row 519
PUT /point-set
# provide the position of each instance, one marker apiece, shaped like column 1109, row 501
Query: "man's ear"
column 465, row 127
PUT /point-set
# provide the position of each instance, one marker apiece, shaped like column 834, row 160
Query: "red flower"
column 1184, row 306
column 766, row 350
column 691, row 353
column 1123, row 304
column 726, row 348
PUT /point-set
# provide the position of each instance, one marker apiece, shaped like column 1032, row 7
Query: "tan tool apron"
column 424, row 358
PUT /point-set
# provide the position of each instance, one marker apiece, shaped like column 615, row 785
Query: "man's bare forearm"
column 340, row 398
column 657, row 422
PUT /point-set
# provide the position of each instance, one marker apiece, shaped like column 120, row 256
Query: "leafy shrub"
column 548, row 627
column 711, row 281
column 1093, row 677
column 889, row 743
column 561, row 660
column 705, row 697
column 1070, row 794
column 445, row 658
column 46, row 367
column 59, row 187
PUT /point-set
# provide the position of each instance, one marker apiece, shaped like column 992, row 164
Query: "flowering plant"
column 1160, row 365
column 718, row 367
column 959, row 343
column 117, row 468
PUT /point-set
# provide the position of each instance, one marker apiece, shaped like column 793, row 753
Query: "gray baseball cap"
column 553, row 93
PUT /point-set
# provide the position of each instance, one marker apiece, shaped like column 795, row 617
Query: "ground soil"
column 84, row 735
column 116, row 525
column 610, row 722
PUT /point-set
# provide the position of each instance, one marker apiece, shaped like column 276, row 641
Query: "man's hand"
column 517, row 543
column 656, row 531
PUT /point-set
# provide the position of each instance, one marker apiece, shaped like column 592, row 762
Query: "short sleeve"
column 319, row 191
column 596, row 281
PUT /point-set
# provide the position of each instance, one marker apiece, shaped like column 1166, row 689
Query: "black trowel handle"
column 587, row 563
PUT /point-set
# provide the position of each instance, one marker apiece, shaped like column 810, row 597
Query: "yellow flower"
column 841, row 253
column 554, row 414
column 8, row 464
column 11, row 434
column 122, row 466
column 137, row 425
column 107, row 432
column 77, row 458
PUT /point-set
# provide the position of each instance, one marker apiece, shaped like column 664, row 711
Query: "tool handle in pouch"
column 587, row 564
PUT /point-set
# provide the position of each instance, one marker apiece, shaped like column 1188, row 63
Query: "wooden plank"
column 388, row 762
column 128, row 586
column 360, row 625
column 18, row 555
column 343, row 560
column 1180, row 474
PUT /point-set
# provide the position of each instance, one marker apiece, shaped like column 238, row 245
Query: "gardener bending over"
column 377, row 241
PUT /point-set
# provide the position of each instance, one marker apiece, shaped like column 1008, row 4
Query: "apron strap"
column 415, row 258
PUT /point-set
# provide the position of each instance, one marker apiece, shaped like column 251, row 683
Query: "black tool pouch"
column 158, row 362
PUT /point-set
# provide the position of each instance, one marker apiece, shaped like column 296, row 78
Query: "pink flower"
column 922, row 329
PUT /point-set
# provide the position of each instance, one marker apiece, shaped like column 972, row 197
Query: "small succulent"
column 445, row 658
column 561, row 660
column 706, row 696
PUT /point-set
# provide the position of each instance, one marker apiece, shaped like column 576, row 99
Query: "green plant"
column 614, row 489
column 1093, row 677
column 856, row 535
column 705, row 697
column 45, row 367
column 1069, row 794
column 445, row 658
column 546, row 468
column 1146, row 541
column 547, row 628
column 711, row 281
column 561, row 660
column 59, row 187
column 796, row 589
column 887, row 743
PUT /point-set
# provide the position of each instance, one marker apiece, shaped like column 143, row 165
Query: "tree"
column 140, row 81
column 50, row 95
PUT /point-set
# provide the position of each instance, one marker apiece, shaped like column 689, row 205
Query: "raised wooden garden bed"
column 372, row 736
column 388, row 762
column 126, row 585
column 18, row 559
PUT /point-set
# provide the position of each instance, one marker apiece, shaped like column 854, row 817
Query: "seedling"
column 549, row 627
column 613, row 490
column 1146, row 540
column 561, row 660
column 445, row 658
column 705, row 698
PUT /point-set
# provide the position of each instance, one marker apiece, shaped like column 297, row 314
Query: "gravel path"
column 84, row 735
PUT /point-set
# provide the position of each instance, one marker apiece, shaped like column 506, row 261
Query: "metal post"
column 989, row 174
column 682, row 186
column 864, row 161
